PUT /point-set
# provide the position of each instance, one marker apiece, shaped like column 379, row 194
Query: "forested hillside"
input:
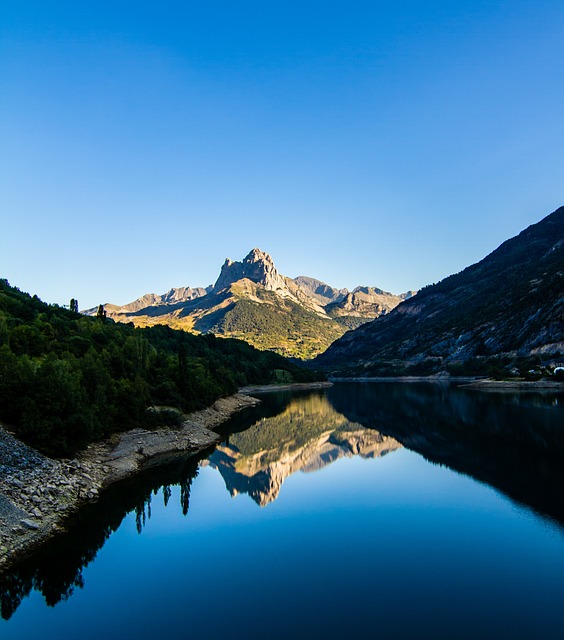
column 67, row 380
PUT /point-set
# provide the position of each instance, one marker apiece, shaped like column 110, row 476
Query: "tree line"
column 67, row 380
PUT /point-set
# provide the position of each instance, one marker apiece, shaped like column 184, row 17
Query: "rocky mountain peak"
column 256, row 255
column 257, row 266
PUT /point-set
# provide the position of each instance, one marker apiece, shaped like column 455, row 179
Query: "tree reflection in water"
column 56, row 570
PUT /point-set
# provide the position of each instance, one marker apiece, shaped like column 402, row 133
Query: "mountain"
column 306, row 436
column 320, row 291
column 252, row 301
column 174, row 296
column 364, row 302
column 505, row 311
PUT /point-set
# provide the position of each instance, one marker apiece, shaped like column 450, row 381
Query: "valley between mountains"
column 503, row 316
column 69, row 381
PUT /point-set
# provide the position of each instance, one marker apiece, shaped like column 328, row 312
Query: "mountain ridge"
column 508, row 306
column 251, row 300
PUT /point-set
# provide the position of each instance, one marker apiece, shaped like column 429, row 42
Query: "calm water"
column 367, row 511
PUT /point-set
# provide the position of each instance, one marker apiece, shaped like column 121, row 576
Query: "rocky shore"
column 291, row 386
column 439, row 377
column 466, row 382
column 515, row 385
column 38, row 494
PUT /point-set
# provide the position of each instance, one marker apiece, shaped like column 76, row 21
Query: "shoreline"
column 514, row 385
column 290, row 386
column 433, row 378
column 467, row 382
column 39, row 494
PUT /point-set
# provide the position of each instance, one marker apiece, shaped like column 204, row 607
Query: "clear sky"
column 378, row 143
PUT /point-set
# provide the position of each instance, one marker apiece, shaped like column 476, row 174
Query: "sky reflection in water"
column 392, row 546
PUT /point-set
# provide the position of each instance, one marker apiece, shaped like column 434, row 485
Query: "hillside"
column 67, row 379
column 252, row 301
column 503, row 312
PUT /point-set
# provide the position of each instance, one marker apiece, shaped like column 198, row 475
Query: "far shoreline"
column 290, row 386
column 407, row 379
column 514, row 385
column 465, row 382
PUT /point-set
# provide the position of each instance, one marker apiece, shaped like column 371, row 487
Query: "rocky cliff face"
column 365, row 302
column 494, row 314
column 257, row 267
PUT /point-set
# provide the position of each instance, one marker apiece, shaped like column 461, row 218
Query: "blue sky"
column 385, row 144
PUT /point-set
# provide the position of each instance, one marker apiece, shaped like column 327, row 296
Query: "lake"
column 366, row 510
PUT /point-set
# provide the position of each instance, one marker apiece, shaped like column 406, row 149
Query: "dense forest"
column 67, row 379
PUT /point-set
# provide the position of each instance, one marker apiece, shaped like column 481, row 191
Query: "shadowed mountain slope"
column 497, row 313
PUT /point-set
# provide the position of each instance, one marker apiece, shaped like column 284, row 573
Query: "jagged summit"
column 257, row 267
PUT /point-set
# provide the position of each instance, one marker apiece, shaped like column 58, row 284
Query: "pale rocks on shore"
column 37, row 494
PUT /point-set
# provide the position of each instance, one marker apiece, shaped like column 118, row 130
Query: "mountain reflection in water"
column 511, row 441
column 307, row 435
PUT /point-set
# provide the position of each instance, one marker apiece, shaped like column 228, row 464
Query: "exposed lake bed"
column 372, row 503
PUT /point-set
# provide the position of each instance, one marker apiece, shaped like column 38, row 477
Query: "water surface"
column 367, row 510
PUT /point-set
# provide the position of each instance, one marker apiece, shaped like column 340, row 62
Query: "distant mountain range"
column 503, row 312
column 251, row 300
